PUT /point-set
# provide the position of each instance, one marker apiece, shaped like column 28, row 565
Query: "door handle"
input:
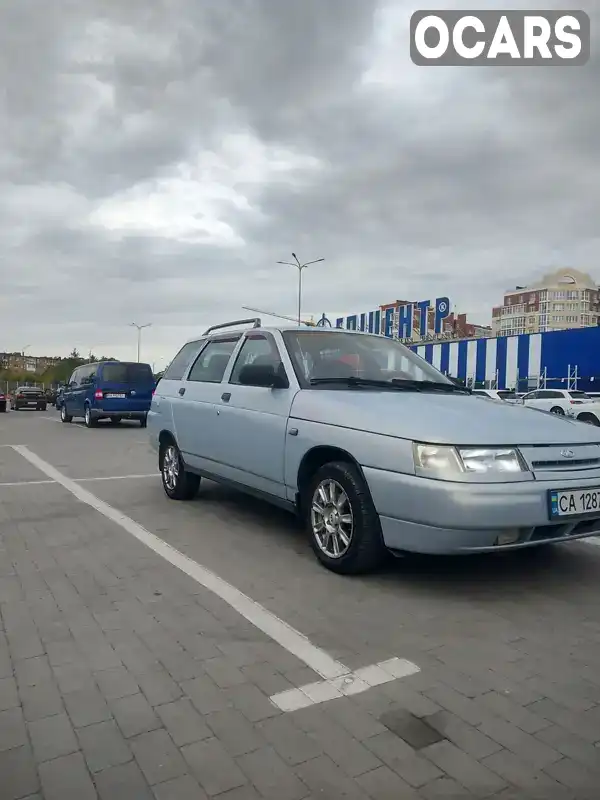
column 182, row 391
column 226, row 397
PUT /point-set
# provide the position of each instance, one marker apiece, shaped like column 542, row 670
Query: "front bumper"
column 431, row 516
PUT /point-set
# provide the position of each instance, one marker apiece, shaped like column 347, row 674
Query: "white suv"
column 566, row 402
column 494, row 394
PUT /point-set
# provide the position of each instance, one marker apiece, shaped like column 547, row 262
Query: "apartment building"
column 560, row 300
column 25, row 363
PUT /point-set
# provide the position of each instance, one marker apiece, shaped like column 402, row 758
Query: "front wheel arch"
column 313, row 460
column 366, row 551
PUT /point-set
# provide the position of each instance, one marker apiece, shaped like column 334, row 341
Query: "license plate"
column 575, row 503
column 109, row 396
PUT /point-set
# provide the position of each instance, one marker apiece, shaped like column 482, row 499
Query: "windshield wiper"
column 403, row 384
column 431, row 385
column 355, row 380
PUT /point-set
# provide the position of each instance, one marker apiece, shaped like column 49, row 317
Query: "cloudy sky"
column 158, row 158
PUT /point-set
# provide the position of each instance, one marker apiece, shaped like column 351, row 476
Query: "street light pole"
column 139, row 336
column 296, row 263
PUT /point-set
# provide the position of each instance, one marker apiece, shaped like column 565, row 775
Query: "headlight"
column 443, row 460
column 484, row 460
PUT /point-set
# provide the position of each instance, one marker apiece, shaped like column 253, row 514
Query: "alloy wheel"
column 170, row 468
column 331, row 517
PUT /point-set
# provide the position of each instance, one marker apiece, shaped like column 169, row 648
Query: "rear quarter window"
column 177, row 368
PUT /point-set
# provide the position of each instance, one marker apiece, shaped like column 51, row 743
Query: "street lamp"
column 140, row 328
column 299, row 267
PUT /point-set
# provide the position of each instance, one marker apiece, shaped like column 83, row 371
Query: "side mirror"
column 265, row 375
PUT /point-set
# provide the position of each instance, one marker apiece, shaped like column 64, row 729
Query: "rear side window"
column 257, row 348
column 87, row 373
column 127, row 373
column 177, row 368
column 212, row 362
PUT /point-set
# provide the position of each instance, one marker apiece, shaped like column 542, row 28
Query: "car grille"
column 551, row 458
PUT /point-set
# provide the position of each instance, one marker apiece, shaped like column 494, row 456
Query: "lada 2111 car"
column 374, row 448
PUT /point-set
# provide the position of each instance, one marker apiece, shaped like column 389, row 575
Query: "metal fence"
column 10, row 387
column 522, row 384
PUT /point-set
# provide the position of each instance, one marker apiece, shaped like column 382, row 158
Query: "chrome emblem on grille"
column 567, row 453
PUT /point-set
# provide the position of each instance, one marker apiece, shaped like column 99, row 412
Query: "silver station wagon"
column 370, row 445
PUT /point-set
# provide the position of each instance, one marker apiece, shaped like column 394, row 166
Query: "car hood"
column 439, row 418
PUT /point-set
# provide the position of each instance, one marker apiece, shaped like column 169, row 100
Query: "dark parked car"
column 29, row 397
column 3, row 402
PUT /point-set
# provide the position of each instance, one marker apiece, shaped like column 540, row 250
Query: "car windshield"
column 356, row 359
column 580, row 395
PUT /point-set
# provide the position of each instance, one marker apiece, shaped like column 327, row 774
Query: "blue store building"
column 558, row 359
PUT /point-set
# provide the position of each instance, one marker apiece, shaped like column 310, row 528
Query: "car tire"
column 144, row 422
column 90, row 421
column 178, row 483
column 589, row 419
column 557, row 410
column 365, row 550
column 64, row 416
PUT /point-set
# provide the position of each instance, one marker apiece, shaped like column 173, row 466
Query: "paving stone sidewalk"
column 122, row 679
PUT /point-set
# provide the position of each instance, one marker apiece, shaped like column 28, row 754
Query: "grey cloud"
column 456, row 182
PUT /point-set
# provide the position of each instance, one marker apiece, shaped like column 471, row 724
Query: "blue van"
column 113, row 390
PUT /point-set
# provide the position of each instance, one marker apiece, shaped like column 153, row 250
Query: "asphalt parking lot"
column 178, row 651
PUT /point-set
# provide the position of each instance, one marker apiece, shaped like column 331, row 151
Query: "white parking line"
column 27, row 483
column 338, row 679
column 117, row 477
column 84, row 480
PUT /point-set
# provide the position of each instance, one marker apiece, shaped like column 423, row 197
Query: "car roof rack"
column 255, row 321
